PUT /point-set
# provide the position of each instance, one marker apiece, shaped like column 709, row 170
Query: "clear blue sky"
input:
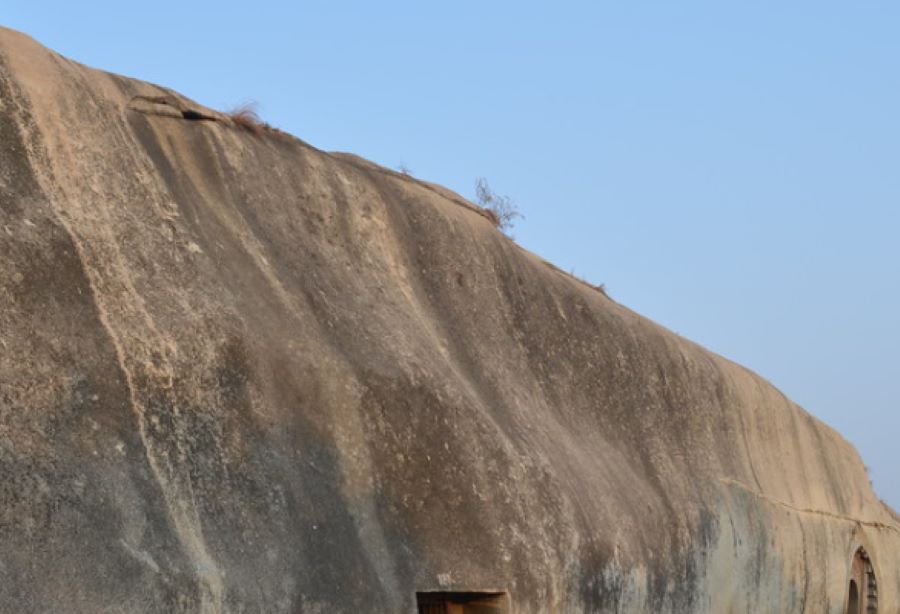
column 731, row 170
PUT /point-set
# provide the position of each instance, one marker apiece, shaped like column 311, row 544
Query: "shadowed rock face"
column 239, row 374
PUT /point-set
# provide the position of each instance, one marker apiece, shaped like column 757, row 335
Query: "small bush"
column 405, row 170
column 501, row 210
column 247, row 118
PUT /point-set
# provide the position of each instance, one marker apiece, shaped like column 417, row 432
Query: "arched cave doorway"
column 862, row 594
column 853, row 600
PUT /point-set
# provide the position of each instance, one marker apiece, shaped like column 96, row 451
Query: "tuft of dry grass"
column 246, row 117
column 601, row 288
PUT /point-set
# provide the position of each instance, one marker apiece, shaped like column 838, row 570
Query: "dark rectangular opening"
column 462, row 602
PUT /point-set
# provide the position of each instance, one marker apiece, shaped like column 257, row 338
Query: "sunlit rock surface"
column 240, row 374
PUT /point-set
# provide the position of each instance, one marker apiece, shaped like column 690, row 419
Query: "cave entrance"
column 862, row 594
column 853, row 600
column 441, row 602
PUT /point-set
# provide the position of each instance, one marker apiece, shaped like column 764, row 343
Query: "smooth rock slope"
column 240, row 374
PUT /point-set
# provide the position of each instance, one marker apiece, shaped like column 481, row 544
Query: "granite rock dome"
column 240, row 374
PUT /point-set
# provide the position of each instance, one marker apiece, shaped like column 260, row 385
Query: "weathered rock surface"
column 239, row 374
